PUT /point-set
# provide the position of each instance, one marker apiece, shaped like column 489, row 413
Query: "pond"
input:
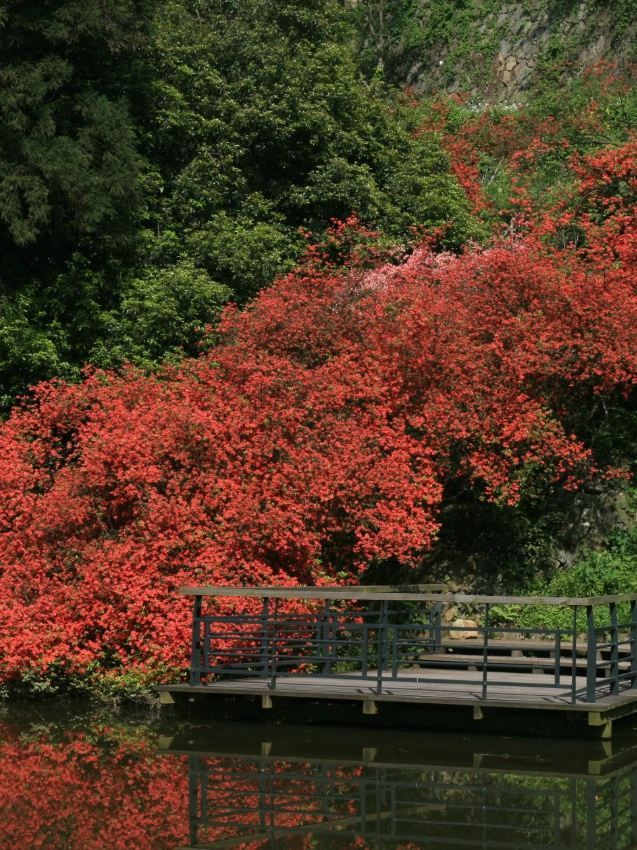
column 78, row 779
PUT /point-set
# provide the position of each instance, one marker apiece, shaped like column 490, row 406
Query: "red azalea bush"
column 315, row 437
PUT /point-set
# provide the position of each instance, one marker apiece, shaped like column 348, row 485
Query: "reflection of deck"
column 403, row 750
column 349, row 825
column 263, row 798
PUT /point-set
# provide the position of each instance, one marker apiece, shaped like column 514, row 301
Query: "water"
column 77, row 780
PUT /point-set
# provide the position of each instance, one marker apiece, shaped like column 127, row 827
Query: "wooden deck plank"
column 503, row 646
column 521, row 661
column 451, row 687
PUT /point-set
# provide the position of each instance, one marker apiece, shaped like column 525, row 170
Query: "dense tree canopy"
column 69, row 175
column 143, row 141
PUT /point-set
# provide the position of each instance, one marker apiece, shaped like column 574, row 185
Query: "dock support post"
column 603, row 723
column 478, row 713
column 369, row 707
column 266, row 701
column 166, row 698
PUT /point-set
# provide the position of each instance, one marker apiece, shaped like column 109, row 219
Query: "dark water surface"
column 77, row 780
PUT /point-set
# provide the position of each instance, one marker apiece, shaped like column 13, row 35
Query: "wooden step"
column 505, row 647
column 475, row 662
column 539, row 648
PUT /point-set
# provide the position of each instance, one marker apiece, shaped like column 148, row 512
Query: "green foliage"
column 245, row 253
column 280, row 132
column 161, row 314
column 157, row 158
column 68, row 160
column 69, row 178
column 599, row 573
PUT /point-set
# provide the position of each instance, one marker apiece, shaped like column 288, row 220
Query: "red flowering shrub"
column 316, row 436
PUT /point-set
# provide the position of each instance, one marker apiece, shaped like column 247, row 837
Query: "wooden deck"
column 442, row 687
column 269, row 651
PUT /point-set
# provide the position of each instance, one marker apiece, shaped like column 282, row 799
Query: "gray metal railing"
column 388, row 635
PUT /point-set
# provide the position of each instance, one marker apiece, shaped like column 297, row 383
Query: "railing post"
column 557, row 653
column 365, row 647
column 195, row 651
column 614, row 649
column 485, row 652
column 633, row 644
column 437, row 627
column 394, row 651
column 591, row 654
column 325, row 638
column 274, row 653
column 265, row 625
column 574, row 657
column 382, row 645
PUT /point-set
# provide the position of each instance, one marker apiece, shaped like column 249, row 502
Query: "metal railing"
column 385, row 636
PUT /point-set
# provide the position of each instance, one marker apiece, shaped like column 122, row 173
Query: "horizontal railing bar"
column 223, row 776
column 605, row 680
column 375, row 589
column 239, row 642
column 373, row 593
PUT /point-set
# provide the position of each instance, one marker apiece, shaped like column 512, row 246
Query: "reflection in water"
column 88, row 786
column 90, row 783
column 267, row 802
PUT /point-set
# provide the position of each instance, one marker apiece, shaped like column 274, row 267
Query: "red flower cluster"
column 317, row 435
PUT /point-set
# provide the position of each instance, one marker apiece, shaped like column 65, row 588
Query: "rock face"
column 595, row 513
column 464, row 630
column 497, row 55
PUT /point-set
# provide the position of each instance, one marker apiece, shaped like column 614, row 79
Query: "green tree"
column 69, row 177
column 259, row 123
column 156, row 157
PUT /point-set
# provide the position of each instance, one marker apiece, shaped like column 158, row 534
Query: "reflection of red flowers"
column 89, row 791
column 78, row 795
